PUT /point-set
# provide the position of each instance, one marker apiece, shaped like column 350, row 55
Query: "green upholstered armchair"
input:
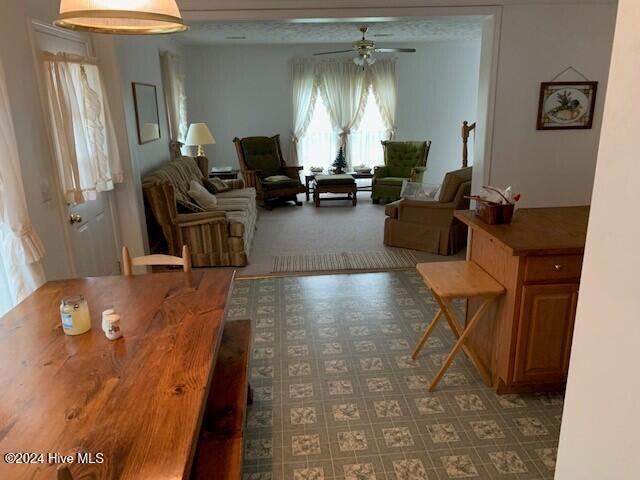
column 261, row 158
column 402, row 161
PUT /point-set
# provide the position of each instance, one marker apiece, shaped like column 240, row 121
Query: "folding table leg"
column 460, row 343
column 457, row 330
column 427, row 334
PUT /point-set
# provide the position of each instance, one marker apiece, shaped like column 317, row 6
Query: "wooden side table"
column 449, row 280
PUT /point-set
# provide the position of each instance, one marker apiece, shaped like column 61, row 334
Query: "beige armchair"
column 429, row 225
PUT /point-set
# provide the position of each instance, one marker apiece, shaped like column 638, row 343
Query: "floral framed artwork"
column 566, row 105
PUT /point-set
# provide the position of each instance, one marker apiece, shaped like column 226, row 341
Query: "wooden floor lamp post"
column 466, row 129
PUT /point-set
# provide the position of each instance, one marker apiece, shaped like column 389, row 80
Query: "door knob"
column 74, row 218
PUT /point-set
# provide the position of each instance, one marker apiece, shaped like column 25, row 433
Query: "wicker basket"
column 495, row 214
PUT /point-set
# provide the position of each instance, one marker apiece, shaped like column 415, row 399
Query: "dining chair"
column 150, row 260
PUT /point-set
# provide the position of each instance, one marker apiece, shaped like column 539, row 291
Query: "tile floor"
column 336, row 395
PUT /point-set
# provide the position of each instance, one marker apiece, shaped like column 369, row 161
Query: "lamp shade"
column 131, row 17
column 199, row 134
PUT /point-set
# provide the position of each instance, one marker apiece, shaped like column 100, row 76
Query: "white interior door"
column 91, row 233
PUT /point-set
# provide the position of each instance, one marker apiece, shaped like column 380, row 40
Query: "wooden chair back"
column 400, row 153
column 150, row 260
column 245, row 162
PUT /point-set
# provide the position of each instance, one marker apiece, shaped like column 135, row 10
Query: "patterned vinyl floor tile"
column 337, row 396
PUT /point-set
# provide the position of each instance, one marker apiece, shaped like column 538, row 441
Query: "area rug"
column 336, row 262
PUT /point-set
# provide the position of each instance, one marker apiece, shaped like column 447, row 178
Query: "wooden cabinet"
column 525, row 341
column 545, row 330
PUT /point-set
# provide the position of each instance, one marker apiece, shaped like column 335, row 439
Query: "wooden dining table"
column 132, row 406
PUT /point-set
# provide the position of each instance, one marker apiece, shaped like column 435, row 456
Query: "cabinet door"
column 545, row 330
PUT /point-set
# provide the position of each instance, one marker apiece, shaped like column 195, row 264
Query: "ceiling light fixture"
column 126, row 17
column 364, row 60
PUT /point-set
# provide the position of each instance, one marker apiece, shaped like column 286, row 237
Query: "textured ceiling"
column 413, row 30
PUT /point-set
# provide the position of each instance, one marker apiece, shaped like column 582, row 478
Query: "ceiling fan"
column 365, row 50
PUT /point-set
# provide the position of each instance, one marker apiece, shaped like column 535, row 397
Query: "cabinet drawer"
column 552, row 267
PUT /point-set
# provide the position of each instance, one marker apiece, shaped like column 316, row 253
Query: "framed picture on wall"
column 566, row 105
column 145, row 100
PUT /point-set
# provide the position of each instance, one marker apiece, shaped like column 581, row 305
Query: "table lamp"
column 199, row 135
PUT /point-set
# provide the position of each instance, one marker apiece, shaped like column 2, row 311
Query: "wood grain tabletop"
column 138, row 401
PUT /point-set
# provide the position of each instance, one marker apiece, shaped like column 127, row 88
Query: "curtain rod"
column 68, row 57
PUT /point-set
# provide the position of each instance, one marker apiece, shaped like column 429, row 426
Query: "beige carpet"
column 335, row 228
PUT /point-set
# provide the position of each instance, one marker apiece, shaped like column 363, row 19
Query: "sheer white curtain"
column 344, row 89
column 304, row 96
column 20, row 247
column 364, row 142
column 175, row 96
column 84, row 139
column 318, row 146
column 384, row 84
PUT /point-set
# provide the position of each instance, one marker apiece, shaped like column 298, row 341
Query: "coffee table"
column 335, row 184
column 308, row 179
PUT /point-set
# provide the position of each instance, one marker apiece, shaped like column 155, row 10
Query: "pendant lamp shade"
column 128, row 17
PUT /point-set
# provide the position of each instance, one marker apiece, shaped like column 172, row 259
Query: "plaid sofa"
column 220, row 237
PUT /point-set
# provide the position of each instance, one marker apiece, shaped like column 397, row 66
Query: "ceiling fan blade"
column 393, row 50
column 337, row 51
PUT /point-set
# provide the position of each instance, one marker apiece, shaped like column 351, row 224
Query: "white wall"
column 437, row 91
column 140, row 62
column 245, row 90
column 550, row 168
column 599, row 435
column 137, row 59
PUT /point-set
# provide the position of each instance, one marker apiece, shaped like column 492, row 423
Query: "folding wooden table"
column 450, row 280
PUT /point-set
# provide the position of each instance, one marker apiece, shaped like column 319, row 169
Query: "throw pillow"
column 211, row 188
column 201, row 196
column 187, row 207
column 277, row 178
column 219, row 185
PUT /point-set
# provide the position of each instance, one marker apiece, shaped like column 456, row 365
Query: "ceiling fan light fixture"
column 364, row 60
column 126, row 17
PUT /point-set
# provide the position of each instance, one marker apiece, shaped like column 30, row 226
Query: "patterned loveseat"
column 219, row 237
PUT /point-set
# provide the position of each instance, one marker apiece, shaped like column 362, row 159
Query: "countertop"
column 537, row 231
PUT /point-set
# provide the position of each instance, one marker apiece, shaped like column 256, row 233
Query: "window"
column 364, row 142
column 83, row 135
column 319, row 145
